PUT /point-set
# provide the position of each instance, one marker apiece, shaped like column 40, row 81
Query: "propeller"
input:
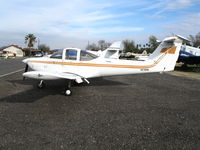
column 26, row 69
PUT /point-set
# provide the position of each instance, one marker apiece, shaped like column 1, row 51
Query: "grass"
column 188, row 68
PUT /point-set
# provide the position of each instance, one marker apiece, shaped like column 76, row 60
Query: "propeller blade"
column 26, row 69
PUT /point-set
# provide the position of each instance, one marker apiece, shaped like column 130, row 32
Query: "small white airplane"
column 77, row 65
column 189, row 55
column 112, row 52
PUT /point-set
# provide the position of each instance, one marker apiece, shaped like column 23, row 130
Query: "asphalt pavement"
column 149, row 111
column 10, row 65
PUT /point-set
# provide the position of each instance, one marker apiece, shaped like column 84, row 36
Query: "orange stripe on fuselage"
column 93, row 64
column 106, row 65
column 170, row 50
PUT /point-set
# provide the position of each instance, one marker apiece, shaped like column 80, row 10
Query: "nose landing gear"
column 68, row 92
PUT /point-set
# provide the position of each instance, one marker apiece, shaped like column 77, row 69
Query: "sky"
column 65, row 23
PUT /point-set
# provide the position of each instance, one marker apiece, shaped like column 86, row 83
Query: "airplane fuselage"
column 97, row 67
column 79, row 65
column 90, row 69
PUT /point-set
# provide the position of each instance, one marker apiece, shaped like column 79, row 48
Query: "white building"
column 12, row 51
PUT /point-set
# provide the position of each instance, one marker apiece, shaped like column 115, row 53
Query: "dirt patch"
column 186, row 74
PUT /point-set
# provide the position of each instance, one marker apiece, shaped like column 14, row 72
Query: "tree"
column 92, row 47
column 153, row 44
column 129, row 46
column 107, row 45
column 30, row 40
column 195, row 40
column 102, row 45
column 44, row 48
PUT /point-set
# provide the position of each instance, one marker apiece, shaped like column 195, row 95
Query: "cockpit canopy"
column 73, row 54
column 57, row 55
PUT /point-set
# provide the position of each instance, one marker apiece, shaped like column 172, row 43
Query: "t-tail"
column 166, row 54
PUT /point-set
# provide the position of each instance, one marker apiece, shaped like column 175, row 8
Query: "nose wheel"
column 68, row 92
column 41, row 84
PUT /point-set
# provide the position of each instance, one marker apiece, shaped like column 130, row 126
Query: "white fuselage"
column 90, row 69
column 77, row 64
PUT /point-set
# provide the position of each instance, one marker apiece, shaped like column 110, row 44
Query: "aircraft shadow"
column 102, row 82
column 29, row 96
column 52, row 88
column 93, row 82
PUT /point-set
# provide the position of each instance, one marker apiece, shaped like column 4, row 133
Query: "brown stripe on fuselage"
column 170, row 50
column 108, row 65
column 93, row 64
column 163, row 50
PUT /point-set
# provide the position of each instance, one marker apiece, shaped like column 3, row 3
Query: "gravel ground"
column 150, row 111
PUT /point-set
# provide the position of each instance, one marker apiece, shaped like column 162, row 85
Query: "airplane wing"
column 42, row 75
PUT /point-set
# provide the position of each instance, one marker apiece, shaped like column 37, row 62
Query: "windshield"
column 86, row 56
column 57, row 55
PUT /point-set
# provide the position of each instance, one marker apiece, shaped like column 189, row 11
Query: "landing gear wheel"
column 41, row 84
column 68, row 92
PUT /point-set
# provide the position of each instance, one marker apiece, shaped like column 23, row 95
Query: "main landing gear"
column 68, row 91
column 41, row 84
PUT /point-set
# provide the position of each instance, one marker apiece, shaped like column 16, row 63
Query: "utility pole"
column 38, row 42
column 88, row 44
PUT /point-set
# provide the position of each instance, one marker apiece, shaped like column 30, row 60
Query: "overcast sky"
column 64, row 23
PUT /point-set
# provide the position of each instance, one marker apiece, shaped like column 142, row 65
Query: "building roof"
column 23, row 49
column 4, row 47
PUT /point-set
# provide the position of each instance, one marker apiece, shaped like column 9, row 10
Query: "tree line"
column 195, row 40
column 129, row 45
column 101, row 45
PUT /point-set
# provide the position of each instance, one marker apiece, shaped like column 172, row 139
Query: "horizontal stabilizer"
column 185, row 40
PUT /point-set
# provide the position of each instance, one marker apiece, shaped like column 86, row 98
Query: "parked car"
column 38, row 54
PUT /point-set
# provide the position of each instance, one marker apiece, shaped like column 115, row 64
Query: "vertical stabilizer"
column 166, row 54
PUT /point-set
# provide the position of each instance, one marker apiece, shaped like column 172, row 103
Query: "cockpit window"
column 57, row 55
column 71, row 54
column 110, row 53
column 86, row 56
